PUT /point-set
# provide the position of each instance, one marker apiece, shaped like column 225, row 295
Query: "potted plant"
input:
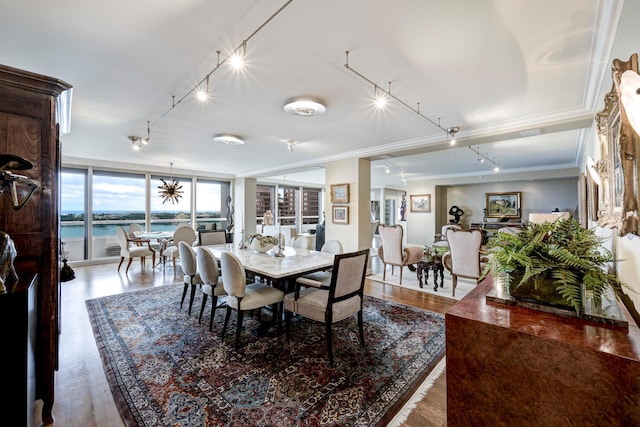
column 552, row 264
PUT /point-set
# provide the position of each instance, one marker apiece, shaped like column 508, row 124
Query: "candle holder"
column 243, row 245
column 280, row 252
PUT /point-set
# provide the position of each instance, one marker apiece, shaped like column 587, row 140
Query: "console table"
column 510, row 365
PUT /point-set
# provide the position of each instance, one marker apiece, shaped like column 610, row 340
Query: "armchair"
column 463, row 258
column 393, row 253
column 129, row 251
column 440, row 240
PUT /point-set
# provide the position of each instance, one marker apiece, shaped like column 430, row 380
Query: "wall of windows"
column 292, row 206
column 117, row 199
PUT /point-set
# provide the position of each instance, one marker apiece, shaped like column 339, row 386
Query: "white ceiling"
column 500, row 70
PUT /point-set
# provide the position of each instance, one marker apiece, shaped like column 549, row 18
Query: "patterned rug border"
column 126, row 407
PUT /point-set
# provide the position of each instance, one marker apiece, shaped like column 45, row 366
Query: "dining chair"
column 212, row 237
column 242, row 297
column 463, row 258
column 331, row 247
column 301, row 242
column 129, row 251
column 331, row 303
column 392, row 252
column 211, row 281
column 189, row 268
column 135, row 229
column 181, row 234
column 440, row 239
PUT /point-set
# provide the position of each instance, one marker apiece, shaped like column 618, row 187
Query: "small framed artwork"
column 503, row 205
column 421, row 203
column 339, row 193
column 341, row 214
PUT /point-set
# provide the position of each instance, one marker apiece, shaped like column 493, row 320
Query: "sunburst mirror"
column 170, row 191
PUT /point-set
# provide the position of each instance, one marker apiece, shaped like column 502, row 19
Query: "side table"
column 434, row 264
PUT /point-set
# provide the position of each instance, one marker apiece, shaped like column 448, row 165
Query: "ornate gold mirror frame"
column 618, row 165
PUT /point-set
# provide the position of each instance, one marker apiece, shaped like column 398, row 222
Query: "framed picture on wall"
column 420, row 202
column 503, row 205
column 339, row 193
column 340, row 215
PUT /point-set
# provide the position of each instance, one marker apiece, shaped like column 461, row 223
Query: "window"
column 166, row 216
column 310, row 206
column 211, row 205
column 72, row 214
column 264, row 201
column 287, row 206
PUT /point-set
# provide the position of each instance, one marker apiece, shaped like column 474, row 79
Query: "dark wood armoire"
column 29, row 129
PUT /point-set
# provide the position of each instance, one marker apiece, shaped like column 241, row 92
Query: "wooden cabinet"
column 28, row 129
column 18, row 337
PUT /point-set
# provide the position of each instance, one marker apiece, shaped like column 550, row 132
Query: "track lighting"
column 290, row 143
column 201, row 89
column 380, row 98
column 387, row 169
column 136, row 143
column 482, row 157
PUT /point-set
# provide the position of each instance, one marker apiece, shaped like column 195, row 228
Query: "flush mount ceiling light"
column 170, row 191
column 305, row 106
column 228, row 139
column 380, row 96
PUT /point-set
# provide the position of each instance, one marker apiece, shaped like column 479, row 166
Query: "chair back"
column 301, row 242
column 332, row 247
column 443, row 235
column 122, row 241
column 234, row 278
column 464, row 248
column 212, row 237
column 184, row 234
column 391, row 243
column 347, row 279
column 207, row 266
column 134, row 228
column 187, row 259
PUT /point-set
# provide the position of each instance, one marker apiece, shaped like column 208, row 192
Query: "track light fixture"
column 201, row 88
column 379, row 93
column 482, row 157
column 136, row 143
column 451, row 132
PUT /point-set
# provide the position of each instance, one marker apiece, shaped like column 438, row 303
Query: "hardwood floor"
column 83, row 397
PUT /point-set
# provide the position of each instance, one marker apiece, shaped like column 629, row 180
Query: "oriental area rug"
column 164, row 368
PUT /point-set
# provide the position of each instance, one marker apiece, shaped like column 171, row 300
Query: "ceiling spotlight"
column 203, row 93
column 135, row 142
column 379, row 98
column 387, row 169
column 290, row 143
column 451, row 132
column 237, row 58
column 228, row 139
column 305, row 106
column 147, row 139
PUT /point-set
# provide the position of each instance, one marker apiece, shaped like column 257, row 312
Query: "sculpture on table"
column 8, row 276
column 229, row 214
column 268, row 218
column 403, row 207
column 457, row 213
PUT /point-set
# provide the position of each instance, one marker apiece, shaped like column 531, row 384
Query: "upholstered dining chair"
column 440, row 239
column 181, row 234
column 340, row 299
column 211, row 281
column 189, row 268
column 135, row 229
column 463, row 258
column 242, row 297
column 212, row 237
column 392, row 252
column 301, row 242
column 129, row 249
column 331, row 247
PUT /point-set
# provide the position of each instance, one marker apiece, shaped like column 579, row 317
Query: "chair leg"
column 361, row 327
column 384, row 271
column 184, row 293
column 329, row 341
column 239, row 327
column 214, row 306
column 454, row 280
column 226, row 322
column 121, row 261
column 193, row 295
column 128, row 265
column 401, row 268
column 202, row 306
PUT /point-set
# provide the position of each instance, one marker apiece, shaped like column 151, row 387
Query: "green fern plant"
column 552, row 261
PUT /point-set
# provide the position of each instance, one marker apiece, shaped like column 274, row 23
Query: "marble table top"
column 296, row 261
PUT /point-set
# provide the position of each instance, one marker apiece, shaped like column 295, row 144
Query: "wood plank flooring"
column 83, row 397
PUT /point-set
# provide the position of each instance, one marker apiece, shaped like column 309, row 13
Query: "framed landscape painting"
column 339, row 193
column 503, row 205
column 421, row 203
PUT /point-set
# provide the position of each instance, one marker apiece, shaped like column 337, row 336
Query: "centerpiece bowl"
column 260, row 243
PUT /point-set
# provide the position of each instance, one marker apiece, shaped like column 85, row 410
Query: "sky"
column 121, row 193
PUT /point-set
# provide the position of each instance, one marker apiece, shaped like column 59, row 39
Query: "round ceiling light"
column 305, row 106
column 228, row 139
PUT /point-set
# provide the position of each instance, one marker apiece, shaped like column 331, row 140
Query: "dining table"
column 162, row 237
